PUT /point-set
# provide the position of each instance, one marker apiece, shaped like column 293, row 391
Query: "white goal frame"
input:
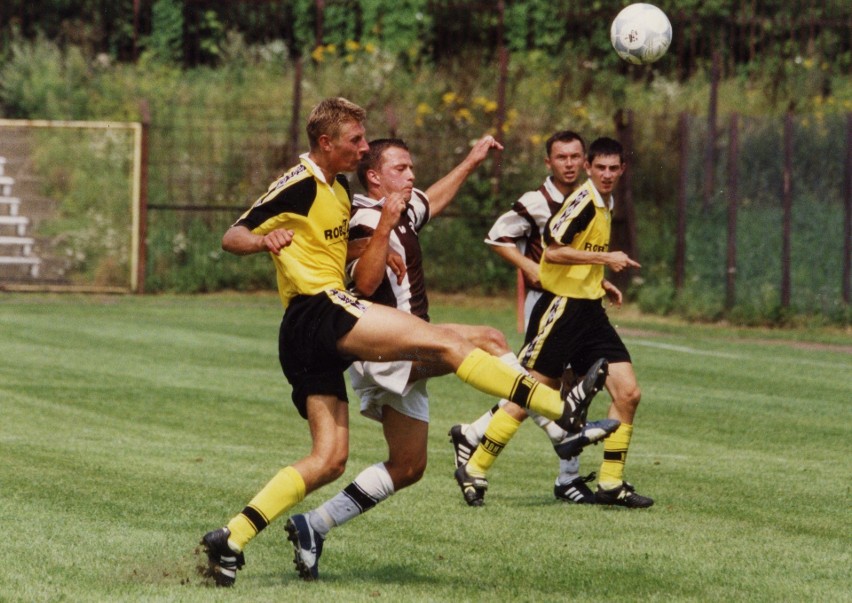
column 137, row 227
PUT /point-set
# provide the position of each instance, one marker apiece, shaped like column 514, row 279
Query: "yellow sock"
column 615, row 453
column 500, row 430
column 491, row 375
column 283, row 491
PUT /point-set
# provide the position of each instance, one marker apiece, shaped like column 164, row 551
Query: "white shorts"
column 386, row 383
column 529, row 302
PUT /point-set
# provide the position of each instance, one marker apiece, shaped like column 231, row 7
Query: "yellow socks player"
column 471, row 477
column 285, row 490
column 492, row 376
column 615, row 454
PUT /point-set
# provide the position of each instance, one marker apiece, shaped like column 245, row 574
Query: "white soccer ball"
column 641, row 33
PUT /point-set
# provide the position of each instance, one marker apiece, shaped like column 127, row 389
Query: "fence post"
column 502, row 81
column 624, row 219
column 733, row 199
column 847, row 197
column 710, row 149
column 142, row 262
column 680, row 235
column 787, row 209
column 295, row 124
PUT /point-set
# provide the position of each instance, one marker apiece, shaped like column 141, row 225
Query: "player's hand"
column 532, row 276
column 618, row 261
column 397, row 266
column 277, row 240
column 481, row 148
column 612, row 292
column 392, row 210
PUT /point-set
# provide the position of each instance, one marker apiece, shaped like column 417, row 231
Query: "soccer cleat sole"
column 222, row 569
column 591, row 433
column 303, row 569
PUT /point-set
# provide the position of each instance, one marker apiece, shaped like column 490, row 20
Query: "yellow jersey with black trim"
column 583, row 222
column 318, row 214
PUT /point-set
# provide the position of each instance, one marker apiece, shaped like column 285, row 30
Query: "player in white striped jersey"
column 516, row 236
column 388, row 270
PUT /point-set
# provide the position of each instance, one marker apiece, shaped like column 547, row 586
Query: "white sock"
column 476, row 430
column 569, row 469
column 372, row 486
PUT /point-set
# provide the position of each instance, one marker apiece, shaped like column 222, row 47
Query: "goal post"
column 72, row 205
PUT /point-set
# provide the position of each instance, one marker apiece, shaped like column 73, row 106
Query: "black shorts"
column 307, row 344
column 568, row 331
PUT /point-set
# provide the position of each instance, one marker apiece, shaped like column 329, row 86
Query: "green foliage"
column 88, row 175
column 166, row 40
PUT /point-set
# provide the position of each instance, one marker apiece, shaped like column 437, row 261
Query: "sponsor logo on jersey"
column 338, row 232
column 590, row 247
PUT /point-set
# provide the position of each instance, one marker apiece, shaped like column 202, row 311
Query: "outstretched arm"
column 444, row 190
column 370, row 268
column 239, row 240
column 512, row 254
column 564, row 254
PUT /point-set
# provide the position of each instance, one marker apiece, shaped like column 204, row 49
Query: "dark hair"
column 605, row 146
column 372, row 159
column 564, row 136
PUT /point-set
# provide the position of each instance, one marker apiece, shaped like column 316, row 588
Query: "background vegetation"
column 218, row 79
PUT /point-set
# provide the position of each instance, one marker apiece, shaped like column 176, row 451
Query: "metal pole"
column 733, row 199
column 787, row 210
column 680, row 235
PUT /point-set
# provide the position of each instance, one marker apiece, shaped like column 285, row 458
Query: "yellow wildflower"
column 448, row 98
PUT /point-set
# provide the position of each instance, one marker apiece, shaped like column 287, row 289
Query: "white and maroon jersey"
column 524, row 224
column 410, row 295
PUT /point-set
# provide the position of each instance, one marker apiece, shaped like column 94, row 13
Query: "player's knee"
column 333, row 467
column 630, row 397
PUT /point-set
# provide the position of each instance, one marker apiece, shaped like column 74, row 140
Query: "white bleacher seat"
column 12, row 203
column 2, row 165
column 25, row 243
column 6, row 183
column 19, row 222
column 33, row 262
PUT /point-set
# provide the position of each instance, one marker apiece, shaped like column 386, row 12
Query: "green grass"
column 132, row 425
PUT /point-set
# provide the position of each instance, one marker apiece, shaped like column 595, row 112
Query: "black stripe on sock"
column 256, row 518
column 522, row 391
column 364, row 501
column 492, row 447
column 615, row 455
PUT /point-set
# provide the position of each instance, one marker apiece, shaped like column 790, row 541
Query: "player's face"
column 396, row 172
column 348, row 147
column 565, row 162
column 604, row 172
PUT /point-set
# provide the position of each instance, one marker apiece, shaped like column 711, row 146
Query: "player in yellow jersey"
column 302, row 222
column 569, row 324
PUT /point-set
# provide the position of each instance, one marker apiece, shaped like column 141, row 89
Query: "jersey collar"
column 554, row 192
column 313, row 167
column 599, row 201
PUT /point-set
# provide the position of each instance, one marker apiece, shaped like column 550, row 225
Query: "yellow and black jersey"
column 584, row 222
column 318, row 213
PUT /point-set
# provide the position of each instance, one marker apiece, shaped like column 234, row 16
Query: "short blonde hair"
column 327, row 117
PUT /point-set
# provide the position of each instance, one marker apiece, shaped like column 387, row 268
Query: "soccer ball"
column 641, row 33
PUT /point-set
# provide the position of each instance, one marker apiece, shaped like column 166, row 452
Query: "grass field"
column 129, row 426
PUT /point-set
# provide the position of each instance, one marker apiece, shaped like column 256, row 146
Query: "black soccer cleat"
column 576, row 491
column 307, row 546
column 578, row 398
column 591, row 433
column 473, row 488
column 622, row 496
column 461, row 447
column 222, row 561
